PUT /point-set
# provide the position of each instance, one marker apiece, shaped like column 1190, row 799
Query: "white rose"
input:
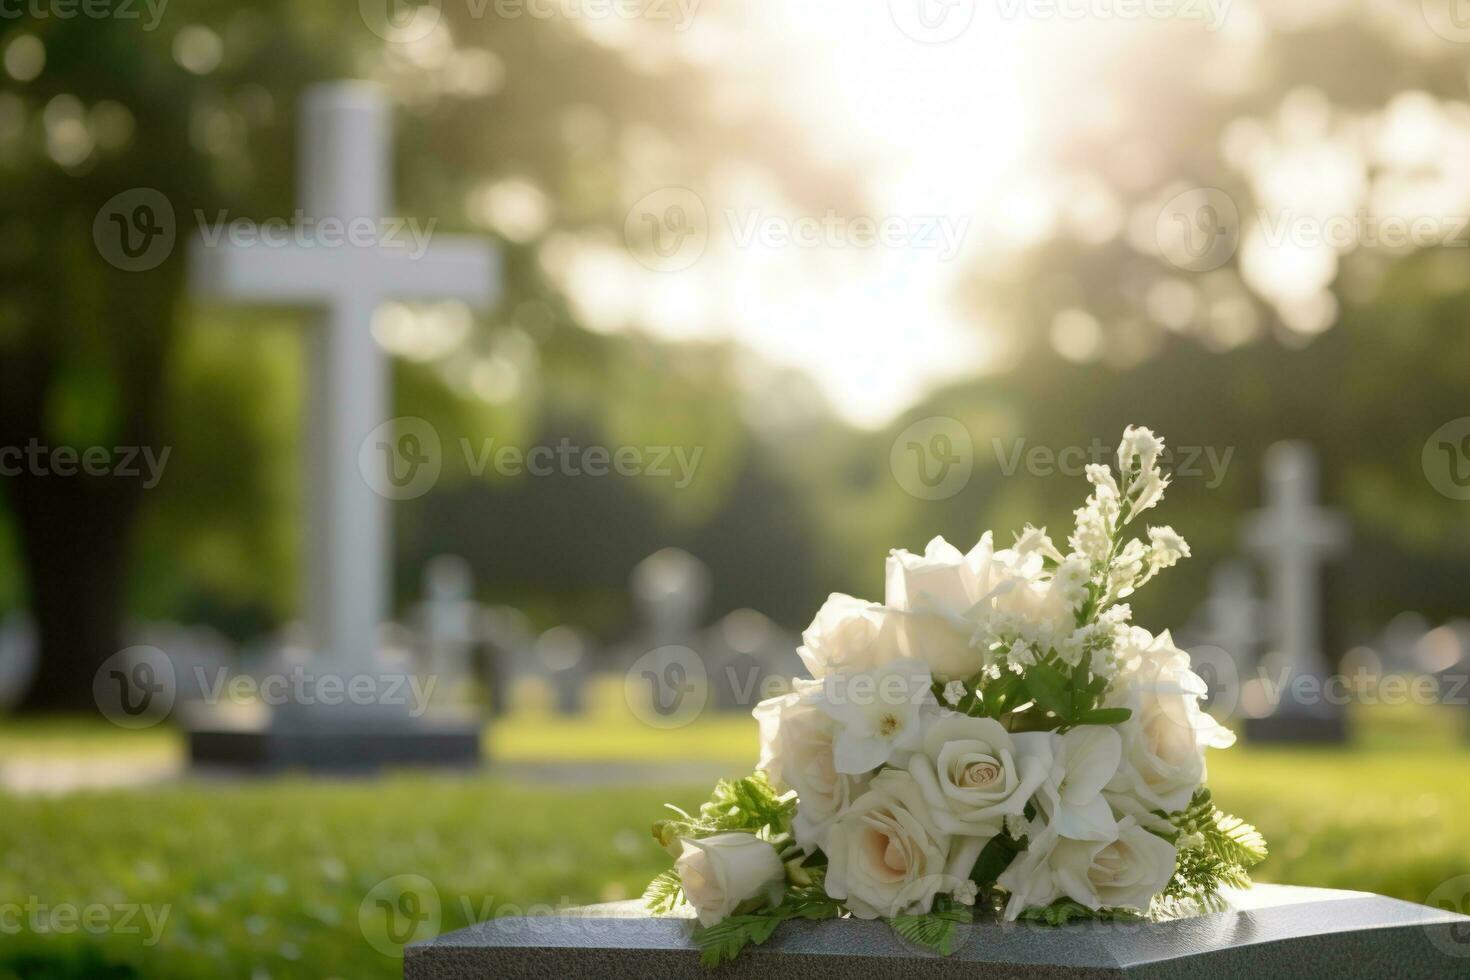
column 719, row 872
column 1084, row 761
column 1165, row 738
column 796, row 754
column 878, row 714
column 1043, row 607
column 1125, row 872
column 886, row 856
column 930, row 595
column 848, row 634
column 973, row 773
column 1128, row 805
column 941, row 597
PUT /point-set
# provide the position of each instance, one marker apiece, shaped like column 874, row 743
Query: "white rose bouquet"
column 995, row 736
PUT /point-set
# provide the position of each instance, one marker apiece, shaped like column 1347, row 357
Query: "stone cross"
column 17, row 658
column 508, row 653
column 343, row 177
column 1232, row 613
column 1293, row 537
column 451, row 624
column 1223, row 634
column 670, row 589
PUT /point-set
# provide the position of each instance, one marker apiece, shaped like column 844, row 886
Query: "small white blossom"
column 1092, row 536
column 1138, row 460
column 1139, row 446
column 1106, row 488
column 1104, row 662
column 1070, row 648
column 966, row 892
column 954, row 693
column 1127, row 568
column 1070, row 580
column 1147, row 490
column 1033, row 540
column 1021, row 654
column 1166, row 547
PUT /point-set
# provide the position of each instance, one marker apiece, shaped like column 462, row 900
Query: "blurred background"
column 781, row 287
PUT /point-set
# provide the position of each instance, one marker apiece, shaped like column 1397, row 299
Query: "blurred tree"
column 83, row 341
column 539, row 130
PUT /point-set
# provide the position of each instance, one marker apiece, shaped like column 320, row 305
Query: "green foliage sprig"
column 723, row 941
column 936, row 929
column 1065, row 910
column 1216, row 851
column 1060, row 696
column 750, row 804
column 664, row 894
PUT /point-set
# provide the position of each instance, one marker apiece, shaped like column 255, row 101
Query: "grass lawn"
column 268, row 879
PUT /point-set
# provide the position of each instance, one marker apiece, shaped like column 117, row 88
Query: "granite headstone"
column 1271, row 931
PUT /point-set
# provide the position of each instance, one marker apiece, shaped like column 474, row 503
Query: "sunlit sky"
column 941, row 129
column 953, row 140
column 939, row 135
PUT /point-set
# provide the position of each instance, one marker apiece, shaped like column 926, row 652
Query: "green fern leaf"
column 934, row 930
column 664, row 893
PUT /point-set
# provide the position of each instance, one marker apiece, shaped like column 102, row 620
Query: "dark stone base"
column 1296, row 729
column 355, row 746
column 1272, row 932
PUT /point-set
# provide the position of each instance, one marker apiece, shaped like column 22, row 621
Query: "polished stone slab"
column 334, row 742
column 1271, row 931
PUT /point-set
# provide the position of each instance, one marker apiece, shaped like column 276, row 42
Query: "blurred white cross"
column 1232, row 619
column 343, row 178
column 1294, row 536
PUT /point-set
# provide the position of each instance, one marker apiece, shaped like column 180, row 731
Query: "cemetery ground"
column 265, row 878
